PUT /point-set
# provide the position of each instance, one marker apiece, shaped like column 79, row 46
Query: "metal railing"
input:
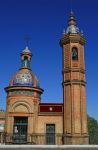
column 35, row 139
column 44, row 139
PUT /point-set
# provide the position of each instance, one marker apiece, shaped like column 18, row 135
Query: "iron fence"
column 44, row 139
column 35, row 139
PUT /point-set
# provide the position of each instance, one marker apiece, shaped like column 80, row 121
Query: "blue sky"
column 44, row 21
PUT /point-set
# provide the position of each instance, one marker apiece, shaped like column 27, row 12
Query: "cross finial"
column 27, row 39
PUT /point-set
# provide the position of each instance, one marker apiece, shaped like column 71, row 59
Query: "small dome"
column 26, row 50
column 72, row 29
column 24, row 77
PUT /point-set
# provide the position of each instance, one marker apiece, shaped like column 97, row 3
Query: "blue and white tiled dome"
column 24, row 77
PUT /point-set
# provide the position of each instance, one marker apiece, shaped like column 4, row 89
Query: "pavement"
column 48, row 147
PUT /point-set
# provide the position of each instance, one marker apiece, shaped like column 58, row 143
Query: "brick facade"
column 68, row 120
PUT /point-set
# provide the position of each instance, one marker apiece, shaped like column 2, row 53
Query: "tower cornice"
column 30, row 88
column 72, row 38
column 26, row 53
column 74, row 82
column 67, row 70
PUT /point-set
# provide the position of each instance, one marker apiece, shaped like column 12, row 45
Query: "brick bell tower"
column 74, row 85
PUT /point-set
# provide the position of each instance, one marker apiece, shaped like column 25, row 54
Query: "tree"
column 92, row 130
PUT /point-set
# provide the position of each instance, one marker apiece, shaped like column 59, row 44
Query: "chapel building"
column 28, row 120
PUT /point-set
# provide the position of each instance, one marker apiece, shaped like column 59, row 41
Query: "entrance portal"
column 20, row 130
column 50, row 134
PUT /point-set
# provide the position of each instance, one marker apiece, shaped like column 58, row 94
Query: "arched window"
column 74, row 53
column 25, row 61
column 25, row 57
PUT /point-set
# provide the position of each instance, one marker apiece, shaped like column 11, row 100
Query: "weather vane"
column 27, row 39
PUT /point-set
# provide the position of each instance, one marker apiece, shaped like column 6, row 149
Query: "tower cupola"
column 26, row 58
column 72, row 33
column 72, row 28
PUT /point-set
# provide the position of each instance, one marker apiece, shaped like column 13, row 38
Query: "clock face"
column 23, row 79
column 74, row 53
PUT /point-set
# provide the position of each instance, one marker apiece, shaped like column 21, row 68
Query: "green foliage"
column 92, row 130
